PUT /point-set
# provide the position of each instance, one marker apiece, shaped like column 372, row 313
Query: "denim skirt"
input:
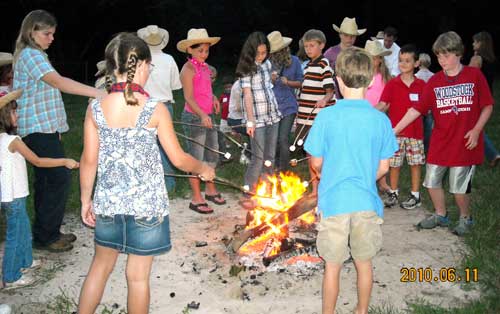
column 133, row 235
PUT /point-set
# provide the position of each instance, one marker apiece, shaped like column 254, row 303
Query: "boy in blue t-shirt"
column 350, row 143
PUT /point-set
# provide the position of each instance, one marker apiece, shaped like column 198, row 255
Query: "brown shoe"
column 58, row 246
column 68, row 237
column 495, row 161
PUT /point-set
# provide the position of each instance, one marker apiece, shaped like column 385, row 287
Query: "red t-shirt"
column 456, row 103
column 224, row 104
column 401, row 98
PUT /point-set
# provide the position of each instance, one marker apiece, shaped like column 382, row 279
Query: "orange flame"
column 274, row 196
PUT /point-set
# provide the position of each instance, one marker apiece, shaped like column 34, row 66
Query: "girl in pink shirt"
column 199, row 110
column 381, row 73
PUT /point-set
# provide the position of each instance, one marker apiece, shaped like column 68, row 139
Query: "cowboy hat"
column 156, row 37
column 196, row 36
column 380, row 35
column 6, row 58
column 375, row 49
column 277, row 41
column 349, row 27
column 6, row 98
column 101, row 68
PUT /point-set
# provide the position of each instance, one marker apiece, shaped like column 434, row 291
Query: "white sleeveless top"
column 13, row 173
column 130, row 177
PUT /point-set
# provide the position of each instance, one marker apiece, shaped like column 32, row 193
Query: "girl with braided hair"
column 130, row 208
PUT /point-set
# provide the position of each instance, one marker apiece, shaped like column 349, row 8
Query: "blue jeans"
column 263, row 144
column 490, row 151
column 18, row 251
column 283, row 151
column 428, row 125
column 166, row 163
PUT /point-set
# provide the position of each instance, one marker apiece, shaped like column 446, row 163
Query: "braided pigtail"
column 131, row 67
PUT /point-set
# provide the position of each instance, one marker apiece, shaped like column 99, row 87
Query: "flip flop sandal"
column 214, row 199
column 197, row 208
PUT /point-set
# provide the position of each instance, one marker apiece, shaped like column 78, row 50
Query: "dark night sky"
column 85, row 27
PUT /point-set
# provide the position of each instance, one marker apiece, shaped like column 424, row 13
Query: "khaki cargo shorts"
column 358, row 233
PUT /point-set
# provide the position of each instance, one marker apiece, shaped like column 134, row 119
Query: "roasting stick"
column 226, row 155
column 294, row 162
column 293, row 147
column 219, row 181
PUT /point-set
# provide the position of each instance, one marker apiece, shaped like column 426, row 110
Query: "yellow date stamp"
column 444, row 274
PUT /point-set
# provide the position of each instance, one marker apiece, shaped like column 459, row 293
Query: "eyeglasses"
column 151, row 67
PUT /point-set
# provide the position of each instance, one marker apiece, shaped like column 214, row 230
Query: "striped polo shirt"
column 318, row 76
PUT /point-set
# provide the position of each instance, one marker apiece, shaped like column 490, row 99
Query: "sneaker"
column 433, row 221
column 25, row 280
column 68, row 237
column 392, row 199
column 58, row 246
column 37, row 263
column 5, row 309
column 411, row 202
column 463, row 226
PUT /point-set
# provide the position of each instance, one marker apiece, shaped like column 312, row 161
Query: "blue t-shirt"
column 352, row 137
column 285, row 95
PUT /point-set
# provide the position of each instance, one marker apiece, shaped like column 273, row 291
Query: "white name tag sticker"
column 414, row 97
column 224, row 99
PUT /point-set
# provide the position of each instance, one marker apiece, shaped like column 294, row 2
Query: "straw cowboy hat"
column 277, row 41
column 6, row 98
column 6, row 58
column 375, row 49
column 349, row 27
column 156, row 37
column 196, row 36
column 101, row 67
column 380, row 35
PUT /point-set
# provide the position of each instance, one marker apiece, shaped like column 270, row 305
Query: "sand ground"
column 201, row 274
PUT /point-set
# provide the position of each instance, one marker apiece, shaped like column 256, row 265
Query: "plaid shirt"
column 265, row 107
column 40, row 108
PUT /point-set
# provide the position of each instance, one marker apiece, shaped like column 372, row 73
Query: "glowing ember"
column 281, row 192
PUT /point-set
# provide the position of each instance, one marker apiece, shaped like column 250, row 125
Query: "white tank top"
column 13, row 171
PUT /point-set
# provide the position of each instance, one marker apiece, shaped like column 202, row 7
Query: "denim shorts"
column 133, row 235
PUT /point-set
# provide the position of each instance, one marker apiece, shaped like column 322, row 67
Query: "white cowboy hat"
column 375, row 49
column 101, row 67
column 6, row 58
column 349, row 27
column 380, row 35
column 6, row 98
column 196, row 36
column 156, row 37
column 277, row 42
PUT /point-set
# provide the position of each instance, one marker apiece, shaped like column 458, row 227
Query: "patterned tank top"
column 129, row 175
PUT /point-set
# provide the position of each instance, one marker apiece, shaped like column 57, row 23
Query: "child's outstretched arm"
column 325, row 100
column 383, row 168
column 473, row 135
column 316, row 165
column 88, row 167
column 408, row 118
column 17, row 145
column 168, row 140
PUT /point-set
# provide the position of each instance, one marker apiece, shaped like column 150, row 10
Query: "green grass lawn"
column 483, row 242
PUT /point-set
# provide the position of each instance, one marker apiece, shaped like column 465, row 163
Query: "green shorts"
column 358, row 233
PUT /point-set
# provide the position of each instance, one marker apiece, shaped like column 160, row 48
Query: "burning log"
column 301, row 206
